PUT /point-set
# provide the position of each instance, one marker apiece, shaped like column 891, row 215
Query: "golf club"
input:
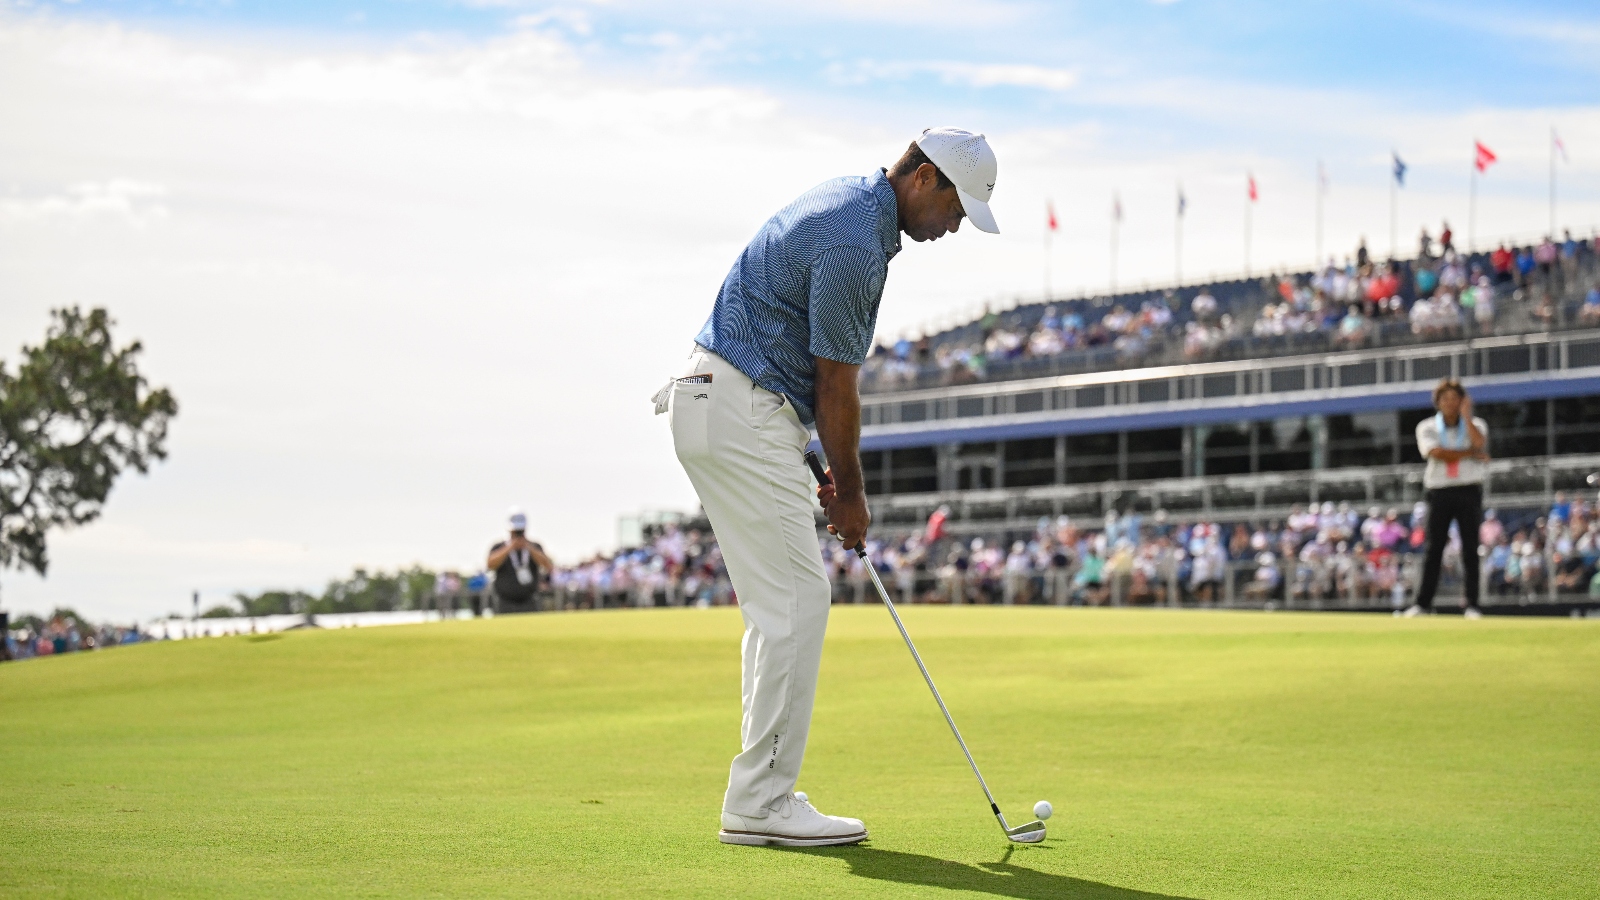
column 1032, row 832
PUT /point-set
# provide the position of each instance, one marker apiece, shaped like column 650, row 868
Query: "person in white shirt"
column 1455, row 447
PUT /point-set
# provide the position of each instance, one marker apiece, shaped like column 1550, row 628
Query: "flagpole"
column 1248, row 202
column 1316, row 261
column 1047, row 261
column 1472, row 204
column 1177, row 241
column 1394, row 212
column 1116, row 224
column 1552, row 182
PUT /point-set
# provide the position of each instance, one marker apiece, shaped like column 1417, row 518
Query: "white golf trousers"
column 742, row 446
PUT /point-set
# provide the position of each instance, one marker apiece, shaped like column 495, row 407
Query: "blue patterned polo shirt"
column 808, row 285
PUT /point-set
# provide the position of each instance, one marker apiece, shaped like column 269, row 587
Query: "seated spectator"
column 1267, row 578
column 1354, row 328
column 1590, row 312
column 1483, row 306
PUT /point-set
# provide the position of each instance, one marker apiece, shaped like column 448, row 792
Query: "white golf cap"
column 965, row 158
column 519, row 522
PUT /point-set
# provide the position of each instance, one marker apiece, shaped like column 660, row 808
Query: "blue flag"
column 1399, row 171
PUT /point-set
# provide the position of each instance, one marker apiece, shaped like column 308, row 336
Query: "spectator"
column 1590, row 313
column 516, row 562
column 1454, row 445
column 1503, row 262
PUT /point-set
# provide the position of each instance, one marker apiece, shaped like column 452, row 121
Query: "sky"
column 407, row 264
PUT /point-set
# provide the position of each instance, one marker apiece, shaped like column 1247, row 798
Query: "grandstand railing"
column 1108, row 392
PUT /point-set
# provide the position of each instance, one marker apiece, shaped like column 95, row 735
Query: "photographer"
column 516, row 563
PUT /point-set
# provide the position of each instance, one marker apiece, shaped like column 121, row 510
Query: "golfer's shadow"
column 1003, row 878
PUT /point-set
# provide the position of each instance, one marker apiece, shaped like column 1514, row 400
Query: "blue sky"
column 1113, row 65
column 407, row 264
column 1445, row 56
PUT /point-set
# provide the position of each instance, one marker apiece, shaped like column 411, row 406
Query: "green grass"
column 1188, row 754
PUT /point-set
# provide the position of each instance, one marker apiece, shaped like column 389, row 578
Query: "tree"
column 73, row 417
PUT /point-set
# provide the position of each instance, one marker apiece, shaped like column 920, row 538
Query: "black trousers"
column 1464, row 506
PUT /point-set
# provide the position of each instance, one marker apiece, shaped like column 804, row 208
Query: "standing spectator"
column 1525, row 264
column 1446, row 240
column 1501, row 260
column 1455, row 447
column 1545, row 255
column 516, row 562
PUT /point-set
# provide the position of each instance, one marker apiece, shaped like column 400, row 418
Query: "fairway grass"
column 1188, row 754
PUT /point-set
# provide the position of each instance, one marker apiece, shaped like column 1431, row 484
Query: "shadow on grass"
column 1001, row 878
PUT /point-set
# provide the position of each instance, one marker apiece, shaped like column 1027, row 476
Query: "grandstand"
column 1276, row 425
column 1242, row 318
column 1270, row 465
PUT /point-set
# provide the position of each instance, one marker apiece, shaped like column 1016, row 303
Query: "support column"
column 1318, row 425
column 945, row 456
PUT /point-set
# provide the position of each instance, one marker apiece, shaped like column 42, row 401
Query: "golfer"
column 779, row 355
column 1454, row 446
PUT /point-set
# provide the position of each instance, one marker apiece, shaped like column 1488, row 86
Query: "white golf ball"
column 801, row 795
column 1042, row 809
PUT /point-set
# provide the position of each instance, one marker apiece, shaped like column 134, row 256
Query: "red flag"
column 1485, row 157
column 1252, row 188
column 1050, row 214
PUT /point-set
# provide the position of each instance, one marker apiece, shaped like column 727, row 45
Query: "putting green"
column 1189, row 754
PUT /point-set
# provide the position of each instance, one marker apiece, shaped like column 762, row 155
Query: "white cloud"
column 977, row 75
column 135, row 202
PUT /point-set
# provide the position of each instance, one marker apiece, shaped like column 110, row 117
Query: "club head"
column 1031, row 833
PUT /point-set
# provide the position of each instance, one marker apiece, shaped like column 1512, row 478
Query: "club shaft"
column 884, row 595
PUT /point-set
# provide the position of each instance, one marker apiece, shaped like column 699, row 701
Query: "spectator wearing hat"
column 516, row 562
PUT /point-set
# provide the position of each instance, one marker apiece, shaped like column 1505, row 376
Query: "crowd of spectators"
column 1442, row 293
column 1330, row 554
column 1322, row 555
column 673, row 567
column 64, row 632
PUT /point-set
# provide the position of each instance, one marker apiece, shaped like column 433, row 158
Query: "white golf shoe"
column 791, row 822
column 1413, row 611
column 1472, row 612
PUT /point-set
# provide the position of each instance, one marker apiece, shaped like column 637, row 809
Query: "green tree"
column 274, row 603
column 363, row 591
column 74, row 415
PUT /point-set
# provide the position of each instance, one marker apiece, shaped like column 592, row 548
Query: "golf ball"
column 801, row 795
column 1042, row 809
